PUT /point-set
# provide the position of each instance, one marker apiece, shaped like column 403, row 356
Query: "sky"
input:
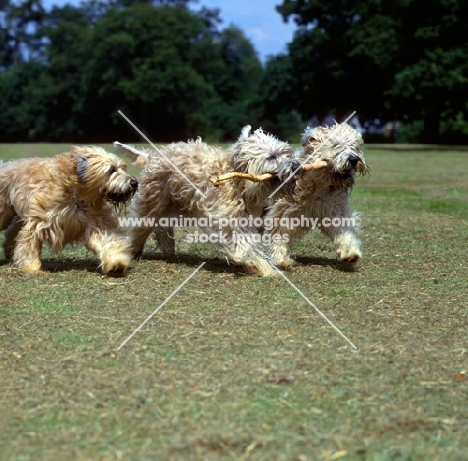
column 259, row 20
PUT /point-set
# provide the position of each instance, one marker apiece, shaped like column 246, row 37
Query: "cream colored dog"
column 322, row 194
column 64, row 200
column 175, row 181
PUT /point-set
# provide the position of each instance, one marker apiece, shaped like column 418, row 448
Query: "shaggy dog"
column 321, row 194
column 62, row 200
column 175, row 178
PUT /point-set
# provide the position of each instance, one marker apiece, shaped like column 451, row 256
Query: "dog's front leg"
column 343, row 228
column 112, row 248
column 27, row 247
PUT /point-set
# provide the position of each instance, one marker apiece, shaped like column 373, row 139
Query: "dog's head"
column 258, row 153
column 341, row 147
column 102, row 175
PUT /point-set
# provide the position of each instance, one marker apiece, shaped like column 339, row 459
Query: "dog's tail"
column 139, row 157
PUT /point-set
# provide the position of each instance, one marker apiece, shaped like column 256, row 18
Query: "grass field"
column 238, row 367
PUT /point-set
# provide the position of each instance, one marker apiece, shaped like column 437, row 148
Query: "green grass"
column 240, row 367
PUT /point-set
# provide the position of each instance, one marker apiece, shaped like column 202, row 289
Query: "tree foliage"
column 65, row 73
column 166, row 67
column 404, row 59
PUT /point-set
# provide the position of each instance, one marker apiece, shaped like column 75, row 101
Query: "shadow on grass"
column 336, row 264
column 220, row 265
column 212, row 264
column 68, row 265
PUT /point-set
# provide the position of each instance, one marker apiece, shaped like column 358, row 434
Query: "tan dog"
column 175, row 177
column 322, row 194
column 64, row 200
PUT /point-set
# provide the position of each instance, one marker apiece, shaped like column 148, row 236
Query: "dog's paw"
column 286, row 263
column 352, row 259
column 349, row 256
column 29, row 266
column 33, row 270
column 116, row 269
column 263, row 270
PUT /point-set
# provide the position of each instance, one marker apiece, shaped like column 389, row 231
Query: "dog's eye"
column 112, row 169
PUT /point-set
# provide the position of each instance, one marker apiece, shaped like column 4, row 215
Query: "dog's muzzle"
column 353, row 160
column 354, row 165
column 123, row 196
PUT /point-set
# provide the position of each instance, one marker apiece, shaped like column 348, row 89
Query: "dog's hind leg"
column 146, row 212
column 138, row 237
column 7, row 214
column 11, row 233
column 281, row 254
column 166, row 241
column 281, row 232
column 243, row 247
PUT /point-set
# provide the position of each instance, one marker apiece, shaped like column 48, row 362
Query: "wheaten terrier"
column 321, row 195
column 62, row 200
column 175, row 178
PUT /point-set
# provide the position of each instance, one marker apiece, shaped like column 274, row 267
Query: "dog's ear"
column 308, row 135
column 81, row 166
column 81, row 159
column 245, row 132
column 138, row 157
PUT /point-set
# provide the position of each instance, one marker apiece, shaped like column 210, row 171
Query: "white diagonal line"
column 170, row 296
column 306, row 160
column 159, row 151
column 316, row 308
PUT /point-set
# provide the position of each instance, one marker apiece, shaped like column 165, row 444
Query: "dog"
column 175, row 182
column 321, row 194
column 64, row 200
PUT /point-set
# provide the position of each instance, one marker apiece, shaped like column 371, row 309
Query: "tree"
column 167, row 68
column 327, row 78
column 403, row 58
column 22, row 115
column 7, row 54
column 427, row 57
column 277, row 99
column 24, row 23
column 236, row 82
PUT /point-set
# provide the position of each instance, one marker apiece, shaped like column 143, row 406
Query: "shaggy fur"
column 323, row 193
column 64, row 200
column 164, row 192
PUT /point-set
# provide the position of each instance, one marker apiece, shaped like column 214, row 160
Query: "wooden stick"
column 215, row 180
column 314, row 166
column 234, row 174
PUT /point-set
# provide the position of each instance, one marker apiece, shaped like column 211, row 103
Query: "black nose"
column 134, row 183
column 295, row 166
column 353, row 161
